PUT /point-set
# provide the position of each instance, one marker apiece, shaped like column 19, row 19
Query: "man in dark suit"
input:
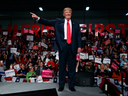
column 68, row 43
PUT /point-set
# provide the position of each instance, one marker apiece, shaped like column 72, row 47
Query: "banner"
column 98, row 60
column 100, row 51
column 5, row 33
column 30, row 38
column 13, row 50
column 31, row 31
column 39, row 79
column 102, row 34
column 94, row 47
column 114, row 66
column 9, row 42
column 18, row 34
column 45, row 31
column 91, row 57
column 3, row 49
column 107, row 42
column 47, row 73
column 17, row 67
column 53, row 53
column 35, row 47
column 123, row 54
column 117, row 31
column 44, row 45
column 44, row 53
column 10, row 73
column 105, row 61
column 83, row 56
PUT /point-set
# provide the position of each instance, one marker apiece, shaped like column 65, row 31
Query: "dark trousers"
column 66, row 56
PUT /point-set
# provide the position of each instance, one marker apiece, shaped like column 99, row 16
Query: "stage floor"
column 11, row 87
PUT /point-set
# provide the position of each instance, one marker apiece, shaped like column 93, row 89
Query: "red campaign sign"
column 117, row 31
column 47, row 73
column 107, row 42
column 94, row 48
column 35, row 47
column 114, row 66
column 127, row 42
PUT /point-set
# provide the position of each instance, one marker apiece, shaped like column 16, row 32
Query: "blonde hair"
column 67, row 8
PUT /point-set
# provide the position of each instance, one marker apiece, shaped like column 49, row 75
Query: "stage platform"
column 11, row 87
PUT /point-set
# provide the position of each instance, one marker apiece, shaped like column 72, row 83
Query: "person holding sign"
column 123, row 61
column 68, row 43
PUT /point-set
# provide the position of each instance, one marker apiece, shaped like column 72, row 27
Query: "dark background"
column 101, row 11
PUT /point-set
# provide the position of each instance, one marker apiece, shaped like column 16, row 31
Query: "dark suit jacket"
column 59, row 33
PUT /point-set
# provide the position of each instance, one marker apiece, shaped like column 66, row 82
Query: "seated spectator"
column 102, row 72
column 88, row 68
column 22, row 72
column 30, row 74
column 40, row 68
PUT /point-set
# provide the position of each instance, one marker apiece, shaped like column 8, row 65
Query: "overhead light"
column 87, row 8
column 126, row 14
column 40, row 8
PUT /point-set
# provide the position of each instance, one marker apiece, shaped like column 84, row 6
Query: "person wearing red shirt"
column 11, row 68
column 51, row 64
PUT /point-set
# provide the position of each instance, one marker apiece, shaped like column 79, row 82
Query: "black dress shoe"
column 72, row 89
column 60, row 89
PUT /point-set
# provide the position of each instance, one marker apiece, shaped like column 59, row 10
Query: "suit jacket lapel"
column 72, row 28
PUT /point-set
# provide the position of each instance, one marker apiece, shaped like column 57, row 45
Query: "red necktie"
column 68, row 33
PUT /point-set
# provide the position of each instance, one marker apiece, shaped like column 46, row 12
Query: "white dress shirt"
column 65, row 28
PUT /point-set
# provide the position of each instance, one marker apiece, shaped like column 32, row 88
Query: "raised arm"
column 42, row 20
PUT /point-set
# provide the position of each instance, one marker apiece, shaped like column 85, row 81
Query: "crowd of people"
column 33, row 61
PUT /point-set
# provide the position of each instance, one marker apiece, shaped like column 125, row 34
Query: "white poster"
column 30, row 38
column 53, row 53
column 44, row 53
column 57, row 55
column 44, row 45
column 13, row 50
column 105, row 61
column 45, row 31
column 98, row 60
column 123, row 54
column 5, row 33
column 10, row 73
column 83, row 56
column 17, row 67
column 9, row 42
column 17, row 53
column 18, row 34
column 39, row 79
column 91, row 57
